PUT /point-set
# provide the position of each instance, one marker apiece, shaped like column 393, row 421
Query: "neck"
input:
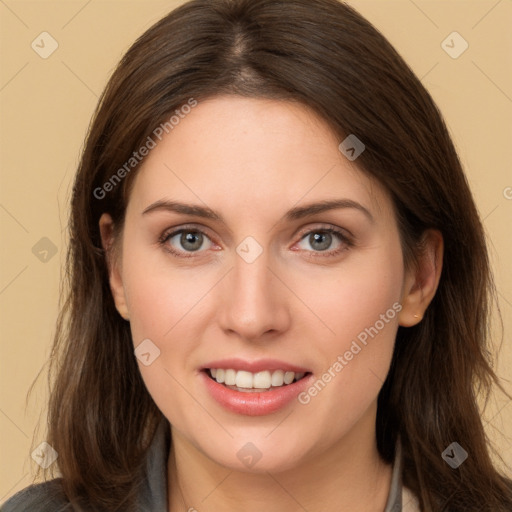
column 349, row 476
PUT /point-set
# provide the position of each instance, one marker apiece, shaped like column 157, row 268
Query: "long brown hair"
column 323, row 54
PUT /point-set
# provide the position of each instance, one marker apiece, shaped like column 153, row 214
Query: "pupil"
column 323, row 240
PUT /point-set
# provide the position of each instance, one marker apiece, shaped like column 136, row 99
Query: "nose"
column 254, row 302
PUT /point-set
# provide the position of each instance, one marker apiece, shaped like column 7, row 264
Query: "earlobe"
column 106, row 227
column 421, row 282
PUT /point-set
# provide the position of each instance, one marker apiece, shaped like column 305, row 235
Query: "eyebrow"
column 295, row 213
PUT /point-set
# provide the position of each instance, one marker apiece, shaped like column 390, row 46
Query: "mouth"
column 254, row 387
column 258, row 382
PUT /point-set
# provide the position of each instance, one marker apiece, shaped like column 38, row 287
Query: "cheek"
column 160, row 294
column 360, row 305
column 162, row 301
column 355, row 295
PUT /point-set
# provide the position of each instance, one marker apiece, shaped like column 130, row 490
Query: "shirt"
column 48, row 496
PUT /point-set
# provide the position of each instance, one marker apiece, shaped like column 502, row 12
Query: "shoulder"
column 42, row 497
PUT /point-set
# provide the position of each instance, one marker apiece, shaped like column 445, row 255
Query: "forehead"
column 247, row 154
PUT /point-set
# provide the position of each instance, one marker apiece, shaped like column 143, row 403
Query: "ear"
column 114, row 265
column 421, row 281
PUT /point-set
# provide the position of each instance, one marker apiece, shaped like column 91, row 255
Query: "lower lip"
column 251, row 403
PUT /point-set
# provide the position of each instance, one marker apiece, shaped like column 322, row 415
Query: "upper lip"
column 255, row 366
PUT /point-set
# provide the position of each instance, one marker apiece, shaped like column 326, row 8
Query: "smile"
column 258, row 382
column 248, row 396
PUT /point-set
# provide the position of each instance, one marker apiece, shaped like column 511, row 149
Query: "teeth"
column 260, row 380
column 288, row 377
column 243, row 379
column 278, row 378
column 230, row 377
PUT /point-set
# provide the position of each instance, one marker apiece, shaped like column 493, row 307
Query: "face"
column 252, row 247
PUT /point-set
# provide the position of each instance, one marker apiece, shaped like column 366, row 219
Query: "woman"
column 279, row 285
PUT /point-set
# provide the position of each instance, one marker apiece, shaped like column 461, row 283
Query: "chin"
column 258, row 457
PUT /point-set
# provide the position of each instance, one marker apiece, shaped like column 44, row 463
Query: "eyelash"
column 346, row 241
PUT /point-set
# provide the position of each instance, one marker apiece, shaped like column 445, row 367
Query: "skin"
column 252, row 160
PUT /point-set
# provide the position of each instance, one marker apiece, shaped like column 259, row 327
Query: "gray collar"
column 153, row 494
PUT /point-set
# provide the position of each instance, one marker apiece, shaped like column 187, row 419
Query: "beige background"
column 46, row 107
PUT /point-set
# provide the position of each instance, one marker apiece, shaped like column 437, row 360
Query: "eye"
column 329, row 241
column 184, row 240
